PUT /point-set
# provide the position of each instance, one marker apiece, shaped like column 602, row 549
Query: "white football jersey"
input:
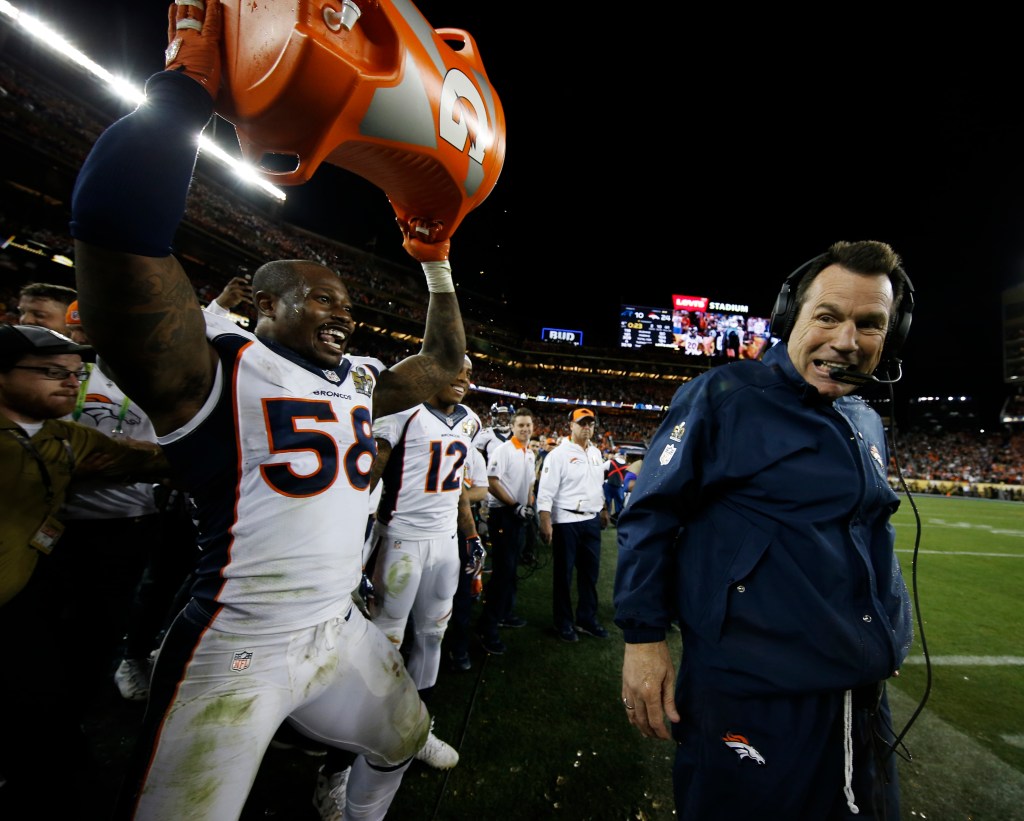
column 423, row 476
column 105, row 407
column 489, row 439
column 278, row 464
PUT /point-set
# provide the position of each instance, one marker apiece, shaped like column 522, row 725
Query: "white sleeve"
column 389, row 428
column 550, row 476
column 216, row 308
column 493, row 463
column 476, row 470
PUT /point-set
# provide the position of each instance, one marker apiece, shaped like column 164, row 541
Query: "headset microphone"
column 852, row 377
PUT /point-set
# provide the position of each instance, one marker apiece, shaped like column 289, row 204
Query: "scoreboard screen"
column 641, row 327
column 696, row 326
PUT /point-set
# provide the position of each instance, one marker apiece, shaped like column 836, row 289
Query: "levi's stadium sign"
column 689, row 303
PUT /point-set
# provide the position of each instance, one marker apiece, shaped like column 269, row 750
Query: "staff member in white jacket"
column 571, row 504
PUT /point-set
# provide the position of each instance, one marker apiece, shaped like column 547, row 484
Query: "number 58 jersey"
column 278, row 464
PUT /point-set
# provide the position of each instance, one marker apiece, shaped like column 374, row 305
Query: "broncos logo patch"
column 742, row 747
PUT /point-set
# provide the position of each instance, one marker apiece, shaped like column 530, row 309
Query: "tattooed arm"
column 136, row 302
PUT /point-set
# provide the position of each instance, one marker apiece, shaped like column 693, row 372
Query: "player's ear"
column 266, row 303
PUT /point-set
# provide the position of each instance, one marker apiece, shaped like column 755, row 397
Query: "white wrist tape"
column 439, row 277
column 188, row 22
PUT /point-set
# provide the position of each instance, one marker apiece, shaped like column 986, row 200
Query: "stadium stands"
column 50, row 113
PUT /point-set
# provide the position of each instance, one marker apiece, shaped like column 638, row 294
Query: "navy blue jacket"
column 760, row 521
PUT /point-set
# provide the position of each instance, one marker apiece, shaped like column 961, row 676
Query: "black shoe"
column 595, row 630
column 493, row 645
column 512, row 621
column 568, row 634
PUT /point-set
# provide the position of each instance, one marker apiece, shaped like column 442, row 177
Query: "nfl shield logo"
column 240, row 661
column 667, row 454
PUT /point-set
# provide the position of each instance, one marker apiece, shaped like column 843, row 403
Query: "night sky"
column 710, row 154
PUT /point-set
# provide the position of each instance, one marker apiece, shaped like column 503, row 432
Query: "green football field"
column 542, row 734
column 541, row 727
column 968, row 745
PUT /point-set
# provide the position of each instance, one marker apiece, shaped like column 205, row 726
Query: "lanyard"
column 119, row 427
column 83, row 390
column 44, row 474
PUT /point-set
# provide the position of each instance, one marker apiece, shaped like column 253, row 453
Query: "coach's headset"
column 786, row 308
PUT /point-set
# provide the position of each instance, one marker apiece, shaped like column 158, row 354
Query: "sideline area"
column 952, row 777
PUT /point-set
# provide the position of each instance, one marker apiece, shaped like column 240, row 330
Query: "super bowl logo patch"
column 667, row 454
column 470, row 428
column 878, row 458
column 240, row 661
column 677, row 432
column 362, row 379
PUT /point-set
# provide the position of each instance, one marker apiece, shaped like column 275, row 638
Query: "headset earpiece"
column 786, row 308
column 899, row 328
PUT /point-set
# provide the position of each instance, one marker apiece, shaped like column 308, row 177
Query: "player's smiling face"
column 314, row 319
column 454, row 392
column 841, row 324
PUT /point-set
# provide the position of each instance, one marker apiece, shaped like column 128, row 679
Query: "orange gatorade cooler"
column 369, row 86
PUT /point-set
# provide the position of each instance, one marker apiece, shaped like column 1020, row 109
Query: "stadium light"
column 126, row 90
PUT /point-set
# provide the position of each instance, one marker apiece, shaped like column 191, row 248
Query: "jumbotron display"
column 696, row 326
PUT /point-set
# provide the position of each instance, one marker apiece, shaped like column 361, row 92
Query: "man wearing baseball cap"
column 570, row 502
column 40, row 455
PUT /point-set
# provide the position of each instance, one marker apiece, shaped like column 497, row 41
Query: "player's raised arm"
column 137, row 304
column 418, row 377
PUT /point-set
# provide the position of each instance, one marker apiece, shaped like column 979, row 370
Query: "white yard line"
column 969, row 661
column 964, row 553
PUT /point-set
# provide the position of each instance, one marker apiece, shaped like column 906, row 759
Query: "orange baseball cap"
column 583, row 413
column 71, row 316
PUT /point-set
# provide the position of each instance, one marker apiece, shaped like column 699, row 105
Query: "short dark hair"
column 47, row 290
column 868, row 257
column 522, row 412
column 282, row 275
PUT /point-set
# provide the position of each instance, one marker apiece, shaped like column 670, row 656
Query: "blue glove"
column 476, row 555
column 367, row 592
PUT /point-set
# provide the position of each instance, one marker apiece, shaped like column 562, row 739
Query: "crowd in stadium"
column 39, row 115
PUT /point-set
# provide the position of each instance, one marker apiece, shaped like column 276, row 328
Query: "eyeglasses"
column 587, row 420
column 53, row 372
